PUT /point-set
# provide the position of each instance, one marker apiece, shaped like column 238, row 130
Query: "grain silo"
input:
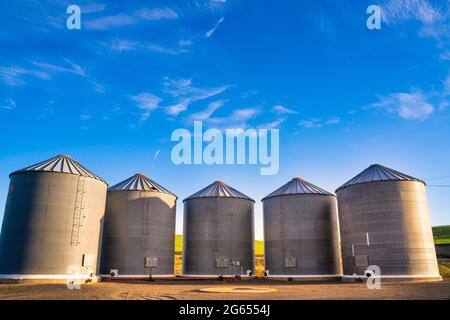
column 52, row 222
column 384, row 222
column 301, row 233
column 218, row 237
column 139, row 230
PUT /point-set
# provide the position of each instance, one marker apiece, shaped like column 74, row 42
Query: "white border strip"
column 45, row 276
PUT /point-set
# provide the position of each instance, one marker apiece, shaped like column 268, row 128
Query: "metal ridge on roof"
column 140, row 182
column 60, row 164
column 298, row 186
column 219, row 189
column 378, row 172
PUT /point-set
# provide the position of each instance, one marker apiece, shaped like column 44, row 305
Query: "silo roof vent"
column 378, row 172
column 140, row 182
column 61, row 164
column 298, row 186
column 219, row 189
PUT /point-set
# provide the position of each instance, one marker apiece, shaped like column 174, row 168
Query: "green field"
column 259, row 246
column 441, row 235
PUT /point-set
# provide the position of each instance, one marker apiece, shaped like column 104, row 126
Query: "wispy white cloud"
column 445, row 55
column 122, row 45
column 15, row 76
column 97, row 86
column 432, row 17
column 157, row 14
column 208, row 112
column 239, row 118
column 156, row 154
column 46, row 112
column 53, row 68
column 283, row 110
column 398, row 11
column 210, row 5
column 177, row 108
column 8, row 105
column 412, row 105
column 273, row 125
column 85, row 117
column 92, row 8
column 250, row 93
column 210, row 32
column 186, row 42
column 315, row 123
column 109, row 22
column 125, row 45
column 184, row 88
column 186, row 93
column 163, row 49
column 332, row 121
column 127, row 19
column 147, row 102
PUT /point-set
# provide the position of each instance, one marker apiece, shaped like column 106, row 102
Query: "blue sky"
column 343, row 96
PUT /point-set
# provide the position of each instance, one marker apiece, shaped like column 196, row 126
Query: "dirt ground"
column 190, row 290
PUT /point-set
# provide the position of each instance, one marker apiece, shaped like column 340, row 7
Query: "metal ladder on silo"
column 78, row 211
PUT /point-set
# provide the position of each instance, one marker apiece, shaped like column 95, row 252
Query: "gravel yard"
column 229, row 290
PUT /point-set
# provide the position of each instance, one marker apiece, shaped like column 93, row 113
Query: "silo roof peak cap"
column 140, row 182
column 219, row 189
column 298, row 186
column 60, row 164
column 378, row 172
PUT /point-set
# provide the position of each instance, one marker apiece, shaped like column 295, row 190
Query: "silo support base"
column 208, row 276
column 48, row 278
column 107, row 277
column 398, row 278
column 319, row 277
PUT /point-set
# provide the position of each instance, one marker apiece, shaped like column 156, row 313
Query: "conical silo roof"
column 140, row 182
column 378, row 172
column 298, row 186
column 219, row 189
column 61, row 164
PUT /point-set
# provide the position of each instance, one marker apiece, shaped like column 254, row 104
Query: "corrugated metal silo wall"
column 138, row 224
column 43, row 232
column 218, row 228
column 389, row 223
column 305, row 228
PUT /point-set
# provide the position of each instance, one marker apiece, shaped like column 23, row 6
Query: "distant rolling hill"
column 259, row 246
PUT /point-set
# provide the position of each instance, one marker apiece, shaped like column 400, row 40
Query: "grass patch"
column 441, row 234
column 444, row 269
